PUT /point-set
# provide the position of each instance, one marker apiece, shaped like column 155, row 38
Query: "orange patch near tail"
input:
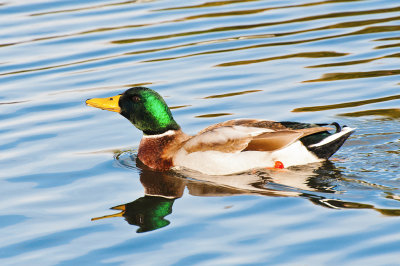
column 279, row 165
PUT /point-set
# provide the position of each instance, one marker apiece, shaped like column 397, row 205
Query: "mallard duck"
column 225, row 148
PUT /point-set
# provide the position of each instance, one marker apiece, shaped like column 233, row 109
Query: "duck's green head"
column 145, row 108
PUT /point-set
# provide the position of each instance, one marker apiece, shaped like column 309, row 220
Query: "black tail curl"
column 337, row 126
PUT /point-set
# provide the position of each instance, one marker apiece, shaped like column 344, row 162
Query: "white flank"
column 220, row 163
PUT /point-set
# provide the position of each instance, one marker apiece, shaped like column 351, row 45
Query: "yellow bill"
column 120, row 214
column 109, row 103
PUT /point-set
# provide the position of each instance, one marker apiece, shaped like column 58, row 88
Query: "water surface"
column 311, row 61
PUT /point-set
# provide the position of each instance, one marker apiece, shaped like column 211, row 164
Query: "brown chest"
column 157, row 152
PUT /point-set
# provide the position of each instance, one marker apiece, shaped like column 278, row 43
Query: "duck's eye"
column 135, row 99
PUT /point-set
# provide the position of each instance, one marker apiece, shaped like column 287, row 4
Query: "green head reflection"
column 148, row 213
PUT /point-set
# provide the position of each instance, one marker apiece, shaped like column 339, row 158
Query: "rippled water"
column 63, row 163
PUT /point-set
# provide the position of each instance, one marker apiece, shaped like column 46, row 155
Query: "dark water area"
column 64, row 165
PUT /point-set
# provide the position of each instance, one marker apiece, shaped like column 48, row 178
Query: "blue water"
column 63, row 163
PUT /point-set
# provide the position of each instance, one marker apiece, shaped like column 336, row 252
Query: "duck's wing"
column 246, row 135
column 229, row 139
column 276, row 140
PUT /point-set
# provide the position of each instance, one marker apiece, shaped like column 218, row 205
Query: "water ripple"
column 313, row 61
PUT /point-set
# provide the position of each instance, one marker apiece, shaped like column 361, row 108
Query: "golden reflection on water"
column 304, row 19
column 88, row 8
column 389, row 39
column 230, row 94
column 393, row 113
column 55, row 66
column 355, row 75
column 222, row 3
column 207, row 4
column 179, row 106
column 355, row 62
column 327, row 77
column 388, row 46
column 346, row 105
column 212, row 115
column 305, row 55
column 367, row 30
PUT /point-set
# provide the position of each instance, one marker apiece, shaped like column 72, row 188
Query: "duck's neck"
column 156, row 151
column 156, row 127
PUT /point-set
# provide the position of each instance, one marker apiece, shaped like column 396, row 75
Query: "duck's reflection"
column 161, row 189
